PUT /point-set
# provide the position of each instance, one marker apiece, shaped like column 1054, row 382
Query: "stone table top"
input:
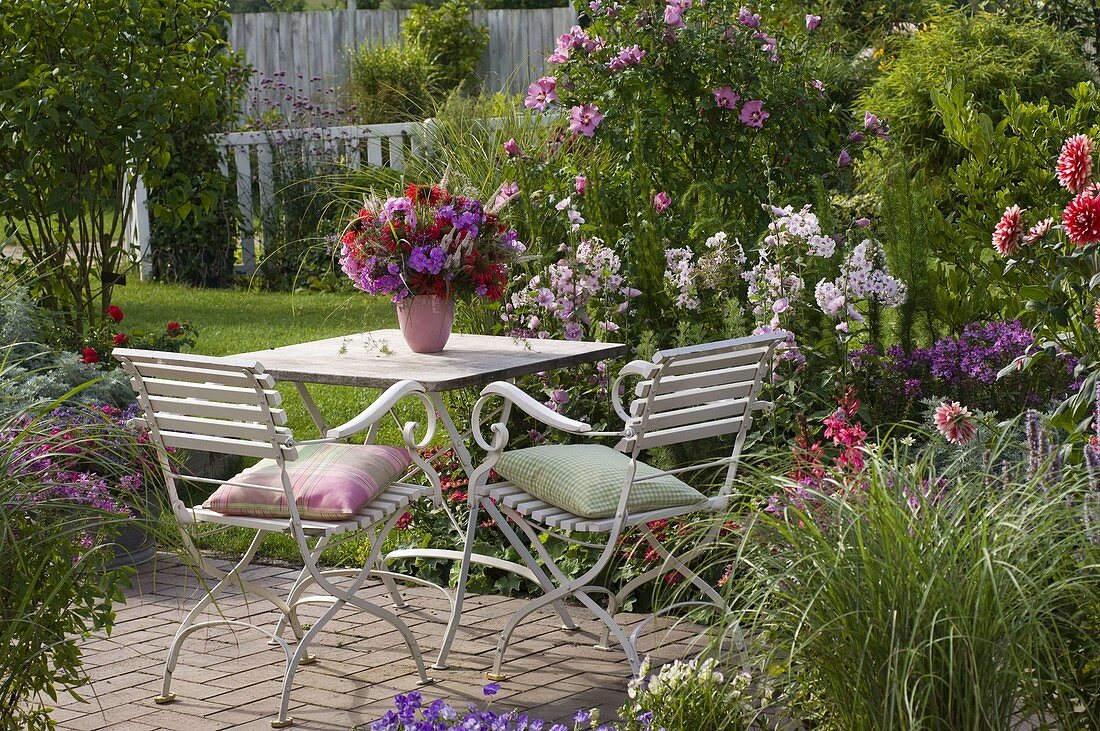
column 380, row 358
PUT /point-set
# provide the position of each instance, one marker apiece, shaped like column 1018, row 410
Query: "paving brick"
column 228, row 677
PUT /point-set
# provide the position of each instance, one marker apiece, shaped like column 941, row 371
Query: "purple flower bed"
column 962, row 369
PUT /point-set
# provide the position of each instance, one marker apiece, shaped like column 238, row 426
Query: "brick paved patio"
column 232, row 678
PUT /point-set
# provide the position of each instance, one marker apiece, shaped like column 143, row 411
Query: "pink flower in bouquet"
column 955, row 422
column 1075, row 163
column 584, row 119
column 1009, row 232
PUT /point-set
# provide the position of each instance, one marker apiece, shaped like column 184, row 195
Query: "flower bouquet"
column 425, row 248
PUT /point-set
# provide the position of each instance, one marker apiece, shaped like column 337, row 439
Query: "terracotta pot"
column 426, row 322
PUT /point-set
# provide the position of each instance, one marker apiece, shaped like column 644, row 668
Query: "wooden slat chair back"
column 680, row 395
column 204, row 404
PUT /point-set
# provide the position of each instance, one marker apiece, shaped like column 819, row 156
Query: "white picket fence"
column 250, row 158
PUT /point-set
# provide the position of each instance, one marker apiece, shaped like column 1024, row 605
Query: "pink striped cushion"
column 330, row 482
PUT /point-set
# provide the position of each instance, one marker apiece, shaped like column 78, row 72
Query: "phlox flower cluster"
column 581, row 295
column 861, row 277
column 687, row 275
column 412, row 714
column 430, row 242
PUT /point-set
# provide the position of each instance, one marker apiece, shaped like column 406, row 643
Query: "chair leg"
column 188, row 625
column 460, row 592
column 611, row 625
column 521, row 547
column 506, row 634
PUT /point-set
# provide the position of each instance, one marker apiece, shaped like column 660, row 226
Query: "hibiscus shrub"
column 742, row 109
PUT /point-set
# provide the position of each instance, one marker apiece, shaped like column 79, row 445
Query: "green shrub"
column 72, row 121
column 992, row 53
column 392, row 83
column 449, row 38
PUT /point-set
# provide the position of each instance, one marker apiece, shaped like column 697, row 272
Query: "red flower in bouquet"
column 429, row 242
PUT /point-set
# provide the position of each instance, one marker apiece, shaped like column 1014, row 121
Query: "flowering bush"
column 111, row 334
column 733, row 94
column 688, row 695
column 1057, row 267
column 69, row 480
column 429, row 242
column 963, row 368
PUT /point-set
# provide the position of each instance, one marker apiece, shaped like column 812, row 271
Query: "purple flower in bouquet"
column 427, row 259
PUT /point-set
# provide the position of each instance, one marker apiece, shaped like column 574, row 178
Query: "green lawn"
column 237, row 321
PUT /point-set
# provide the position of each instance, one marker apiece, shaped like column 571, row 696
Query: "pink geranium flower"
column 662, row 201
column 725, row 97
column 1075, row 163
column 541, row 93
column 955, row 422
column 584, row 119
column 753, row 113
column 1081, row 219
column 1009, row 232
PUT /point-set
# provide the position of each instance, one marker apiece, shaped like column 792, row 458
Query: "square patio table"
column 380, row 358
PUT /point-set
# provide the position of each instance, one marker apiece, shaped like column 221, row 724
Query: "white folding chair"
column 212, row 405
column 686, row 394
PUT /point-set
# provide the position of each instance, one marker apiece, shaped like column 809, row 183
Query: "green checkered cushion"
column 587, row 480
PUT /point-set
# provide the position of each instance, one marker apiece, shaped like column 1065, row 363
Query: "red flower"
column 1008, row 232
column 1075, row 163
column 115, row 313
column 174, row 328
column 90, row 356
column 1081, row 219
column 121, row 338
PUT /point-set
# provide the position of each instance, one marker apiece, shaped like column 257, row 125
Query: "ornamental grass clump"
column 918, row 597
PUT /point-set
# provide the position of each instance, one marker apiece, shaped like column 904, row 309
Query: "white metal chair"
column 212, row 405
column 681, row 395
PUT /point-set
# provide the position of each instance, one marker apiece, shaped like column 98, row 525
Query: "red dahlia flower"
column 1081, row 219
column 1075, row 164
column 1009, row 232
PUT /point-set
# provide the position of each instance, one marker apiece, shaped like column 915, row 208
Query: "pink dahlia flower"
column 955, row 422
column 1038, row 231
column 1096, row 322
column 1081, row 219
column 1075, row 163
column 1009, row 232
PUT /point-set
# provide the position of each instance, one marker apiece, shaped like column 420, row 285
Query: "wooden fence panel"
column 316, row 44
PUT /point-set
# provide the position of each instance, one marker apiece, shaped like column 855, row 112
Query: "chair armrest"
column 535, row 409
column 377, row 410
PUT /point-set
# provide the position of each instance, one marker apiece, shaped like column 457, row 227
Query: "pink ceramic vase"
column 426, row 321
